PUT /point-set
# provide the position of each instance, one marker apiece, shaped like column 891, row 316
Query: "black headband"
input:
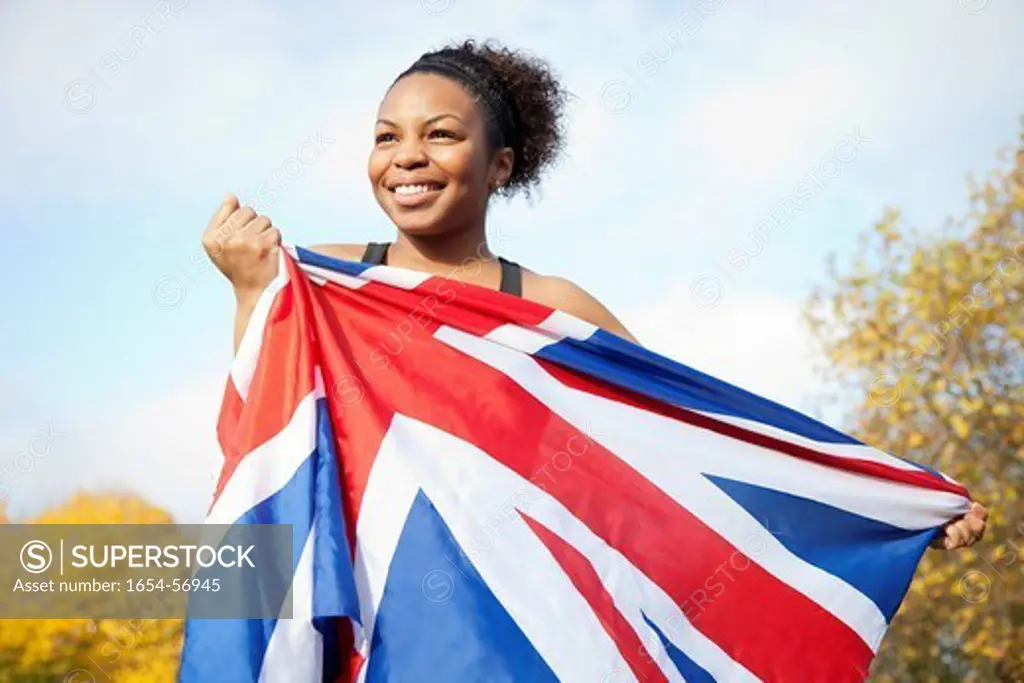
column 502, row 108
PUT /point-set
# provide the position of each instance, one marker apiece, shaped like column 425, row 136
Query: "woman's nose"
column 410, row 153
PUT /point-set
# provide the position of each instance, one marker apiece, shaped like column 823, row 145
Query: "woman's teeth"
column 408, row 190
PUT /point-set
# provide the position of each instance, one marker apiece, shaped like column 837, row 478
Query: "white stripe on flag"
column 296, row 649
column 387, row 500
column 267, row 469
column 396, row 277
column 323, row 275
column 563, row 325
column 551, row 330
column 840, row 450
column 528, row 340
column 244, row 365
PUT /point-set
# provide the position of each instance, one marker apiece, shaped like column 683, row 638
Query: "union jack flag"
column 482, row 488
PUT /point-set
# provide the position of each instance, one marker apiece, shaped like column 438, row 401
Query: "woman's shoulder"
column 565, row 295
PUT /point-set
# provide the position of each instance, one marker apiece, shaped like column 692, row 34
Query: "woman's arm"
column 244, row 305
column 243, row 245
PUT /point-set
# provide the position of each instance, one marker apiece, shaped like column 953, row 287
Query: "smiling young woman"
column 459, row 127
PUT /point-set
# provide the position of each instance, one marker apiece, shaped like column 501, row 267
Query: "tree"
column 927, row 329
column 83, row 650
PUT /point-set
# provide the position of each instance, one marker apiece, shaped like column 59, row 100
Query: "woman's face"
column 430, row 167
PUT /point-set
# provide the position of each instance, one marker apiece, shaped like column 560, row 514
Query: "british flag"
column 482, row 488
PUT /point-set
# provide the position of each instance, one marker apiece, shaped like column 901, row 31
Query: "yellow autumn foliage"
column 929, row 329
column 82, row 650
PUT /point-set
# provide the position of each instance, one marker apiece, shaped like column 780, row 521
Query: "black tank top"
column 511, row 272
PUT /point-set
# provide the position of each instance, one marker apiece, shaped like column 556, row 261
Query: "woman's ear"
column 501, row 167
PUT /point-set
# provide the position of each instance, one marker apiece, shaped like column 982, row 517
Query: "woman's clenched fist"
column 244, row 246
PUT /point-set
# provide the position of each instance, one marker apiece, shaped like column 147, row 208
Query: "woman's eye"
column 439, row 133
column 385, row 137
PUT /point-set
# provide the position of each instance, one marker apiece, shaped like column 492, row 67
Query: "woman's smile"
column 409, row 195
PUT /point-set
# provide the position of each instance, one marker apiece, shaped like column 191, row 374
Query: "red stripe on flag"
column 283, row 377
column 227, row 422
column 480, row 310
column 445, row 301
column 361, row 334
column 586, row 580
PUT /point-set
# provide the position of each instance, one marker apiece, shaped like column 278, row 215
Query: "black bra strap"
column 511, row 277
column 376, row 253
column 511, row 273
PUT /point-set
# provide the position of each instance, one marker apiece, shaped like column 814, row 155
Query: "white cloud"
column 755, row 341
column 759, row 129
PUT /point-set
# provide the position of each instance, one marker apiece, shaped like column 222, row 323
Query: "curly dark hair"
column 522, row 100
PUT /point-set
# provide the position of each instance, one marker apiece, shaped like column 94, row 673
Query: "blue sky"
column 693, row 122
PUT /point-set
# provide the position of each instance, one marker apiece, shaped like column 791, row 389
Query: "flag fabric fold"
column 482, row 488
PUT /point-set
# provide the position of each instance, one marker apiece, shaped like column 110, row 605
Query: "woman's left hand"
column 964, row 531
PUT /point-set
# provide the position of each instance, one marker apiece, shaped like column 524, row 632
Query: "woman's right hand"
column 243, row 245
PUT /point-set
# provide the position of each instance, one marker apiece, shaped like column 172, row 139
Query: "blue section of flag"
column 869, row 555
column 633, row 367
column 691, row 671
column 334, row 587
column 211, row 650
column 314, row 259
column 203, row 658
column 442, row 620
